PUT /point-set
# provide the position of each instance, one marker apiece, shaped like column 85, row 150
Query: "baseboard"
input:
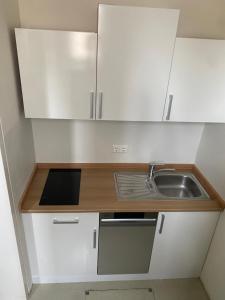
column 85, row 278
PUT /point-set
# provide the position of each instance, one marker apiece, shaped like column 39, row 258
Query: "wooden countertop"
column 98, row 194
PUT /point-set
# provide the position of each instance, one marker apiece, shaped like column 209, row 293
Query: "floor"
column 179, row 289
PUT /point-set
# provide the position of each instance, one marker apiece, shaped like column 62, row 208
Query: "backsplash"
column 91, row 141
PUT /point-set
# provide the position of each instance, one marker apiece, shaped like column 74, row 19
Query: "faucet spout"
column 164, row 170
column 152, row 170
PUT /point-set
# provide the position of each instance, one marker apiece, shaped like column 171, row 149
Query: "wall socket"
column 120, row 148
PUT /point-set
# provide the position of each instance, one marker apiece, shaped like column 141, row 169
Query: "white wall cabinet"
column 58, row 73
column 65, row 251
column 135, row 49
column 180, row 250
column 196, row 90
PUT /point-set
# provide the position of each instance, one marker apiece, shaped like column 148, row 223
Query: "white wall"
column 11, row 285
column 211, row 155
column 211, row 161
column 202, row 18
column 77, row 141
column 18, row 142
column 17, row 130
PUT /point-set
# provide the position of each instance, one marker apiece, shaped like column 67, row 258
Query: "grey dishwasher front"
column 125, row 242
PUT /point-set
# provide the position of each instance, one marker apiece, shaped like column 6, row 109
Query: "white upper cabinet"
column 197, row 85
column 58, row 73
column 135, row 49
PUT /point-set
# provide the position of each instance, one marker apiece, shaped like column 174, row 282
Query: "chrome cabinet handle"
column 72, row 221
column 128, row 220
column 94, row 238
column 169, row 107
column 92, row 94
column 100, row 105
column 161, row 224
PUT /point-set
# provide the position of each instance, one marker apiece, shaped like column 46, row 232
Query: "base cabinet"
column 181, row 244
column 62, row 247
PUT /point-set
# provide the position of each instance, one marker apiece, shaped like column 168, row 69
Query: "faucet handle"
column 151, row 168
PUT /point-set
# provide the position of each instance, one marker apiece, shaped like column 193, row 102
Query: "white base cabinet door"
column 62, row 247
column 182, row 240
column 196, row 90
column 58, row 73
column 135, row 49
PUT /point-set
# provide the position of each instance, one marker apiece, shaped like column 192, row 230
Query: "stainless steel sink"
column 178, row 186
column 164, row 186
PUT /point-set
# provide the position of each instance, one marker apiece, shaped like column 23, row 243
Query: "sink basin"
column 177, row 186
column 164, row 186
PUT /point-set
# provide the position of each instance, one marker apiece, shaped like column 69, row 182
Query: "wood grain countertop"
column 98, row 194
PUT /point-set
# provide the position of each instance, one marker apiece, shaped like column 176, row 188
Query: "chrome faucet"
column 152, row 171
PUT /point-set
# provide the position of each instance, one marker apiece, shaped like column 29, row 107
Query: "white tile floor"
column 179, row 289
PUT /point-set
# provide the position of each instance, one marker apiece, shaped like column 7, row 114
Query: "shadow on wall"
column 81, row 15
column 211, row 155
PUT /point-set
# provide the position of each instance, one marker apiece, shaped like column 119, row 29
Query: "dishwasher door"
column 125, row 242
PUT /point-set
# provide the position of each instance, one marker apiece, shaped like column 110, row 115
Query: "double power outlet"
column 119, row 148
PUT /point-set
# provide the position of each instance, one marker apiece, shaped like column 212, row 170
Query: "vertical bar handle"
column 169, row 107
column 92, row 94
column 100, row 105
column 161, row 224
column 94, row 238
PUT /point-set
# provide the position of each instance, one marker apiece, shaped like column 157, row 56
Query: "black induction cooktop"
column 62, row 187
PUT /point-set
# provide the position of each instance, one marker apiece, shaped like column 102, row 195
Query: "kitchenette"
column 114, row 150
column 116, row 229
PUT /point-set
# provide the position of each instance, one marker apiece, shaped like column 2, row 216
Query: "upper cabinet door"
column 135, row 49
column 58, row 73
column 197, row 85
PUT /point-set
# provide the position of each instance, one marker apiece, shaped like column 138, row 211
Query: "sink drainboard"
column 132, row 186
